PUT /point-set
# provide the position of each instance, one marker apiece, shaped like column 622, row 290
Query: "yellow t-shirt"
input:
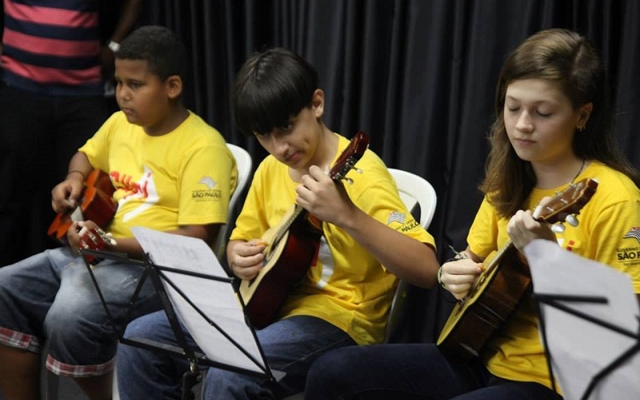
column 347, row 286
column 604, row 234
column 184, row 177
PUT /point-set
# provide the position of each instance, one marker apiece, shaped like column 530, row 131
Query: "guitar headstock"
column 350, row 156
column 567, row 203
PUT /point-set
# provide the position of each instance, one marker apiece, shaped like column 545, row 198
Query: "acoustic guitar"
column 96, row 204
column 504, row 282
column 291, row 247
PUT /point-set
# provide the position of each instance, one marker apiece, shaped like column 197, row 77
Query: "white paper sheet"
column 579, row 348
column 216, row 299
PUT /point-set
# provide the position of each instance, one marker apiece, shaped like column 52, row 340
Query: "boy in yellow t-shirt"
column 368, row 237
column 158, row 156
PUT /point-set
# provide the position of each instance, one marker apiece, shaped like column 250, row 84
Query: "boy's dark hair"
column 271, row 87
column 159, row 47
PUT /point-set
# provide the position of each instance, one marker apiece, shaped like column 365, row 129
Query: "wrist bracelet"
column 439, row 276
column 113, row 46
column 78, row 171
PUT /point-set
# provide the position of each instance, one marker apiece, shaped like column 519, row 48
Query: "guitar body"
column 286, row 263
column 96, row 204
column 291, row 248
column 505, row 281
column 497, row 294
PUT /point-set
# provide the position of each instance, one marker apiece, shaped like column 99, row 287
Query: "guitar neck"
column 298, row 212
column 495, row 261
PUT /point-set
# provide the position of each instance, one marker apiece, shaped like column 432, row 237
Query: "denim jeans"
column 410, row 372
column 290, row 345
column 51, row 296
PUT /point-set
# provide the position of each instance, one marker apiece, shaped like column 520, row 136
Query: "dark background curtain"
column 417, row 75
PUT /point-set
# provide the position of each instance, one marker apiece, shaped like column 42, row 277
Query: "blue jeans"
column 410, row 372
column 51, row 296
column 290, row 345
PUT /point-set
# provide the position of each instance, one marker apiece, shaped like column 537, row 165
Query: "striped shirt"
column 52, row 46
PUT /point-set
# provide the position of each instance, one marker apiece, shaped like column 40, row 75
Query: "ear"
column 583, row 116
column 173, row 86
column 317, row 103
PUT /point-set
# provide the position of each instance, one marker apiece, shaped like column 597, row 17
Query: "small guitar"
column 505, row 280
column 94, row 239
column 96, row 204
column 291, row 248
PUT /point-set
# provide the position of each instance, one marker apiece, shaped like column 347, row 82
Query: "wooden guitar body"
column 96, row 204
column 496, row 296
column 291, row 248
column 506, row 279
column 286, row 264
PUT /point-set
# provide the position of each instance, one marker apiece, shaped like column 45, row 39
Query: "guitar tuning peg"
column 557, row 228
column 572, row 220
column 349, row 181
column 358, row 170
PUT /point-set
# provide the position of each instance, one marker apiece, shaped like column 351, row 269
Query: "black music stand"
column 589, row 323
column 159, row 274
column 556, row 302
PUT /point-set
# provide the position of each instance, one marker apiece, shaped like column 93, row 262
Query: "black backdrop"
column 417, row 75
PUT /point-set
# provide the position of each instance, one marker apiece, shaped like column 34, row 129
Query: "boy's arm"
column 128, row 17
column 409, row 259
column 412, row 261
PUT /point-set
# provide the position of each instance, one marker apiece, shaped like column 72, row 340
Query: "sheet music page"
column 216, row 299
column 580, row 348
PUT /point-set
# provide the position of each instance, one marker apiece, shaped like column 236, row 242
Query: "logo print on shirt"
column 144, row 189
column 396, row 217
column 208, row 182
column 209, row 193
column 634, row 233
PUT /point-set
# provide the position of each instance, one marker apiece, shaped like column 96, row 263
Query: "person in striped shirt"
column 51, row 102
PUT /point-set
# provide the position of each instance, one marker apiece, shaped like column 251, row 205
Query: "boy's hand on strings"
column 66, row 194
column 246, row 258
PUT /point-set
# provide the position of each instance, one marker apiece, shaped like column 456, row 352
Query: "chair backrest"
column 414, row 191
column 245, row 168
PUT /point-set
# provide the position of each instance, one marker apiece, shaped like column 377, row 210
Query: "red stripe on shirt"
column 54, row 47
column 51, row 16
column 53, row 75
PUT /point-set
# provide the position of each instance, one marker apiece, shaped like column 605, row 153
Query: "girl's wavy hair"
column 569, row 60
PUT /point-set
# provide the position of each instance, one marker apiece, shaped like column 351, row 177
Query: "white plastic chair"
column 414, row 191
column 245, row 168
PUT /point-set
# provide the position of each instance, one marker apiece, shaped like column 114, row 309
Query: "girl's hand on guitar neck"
column 523, row 228
column 245, row 258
